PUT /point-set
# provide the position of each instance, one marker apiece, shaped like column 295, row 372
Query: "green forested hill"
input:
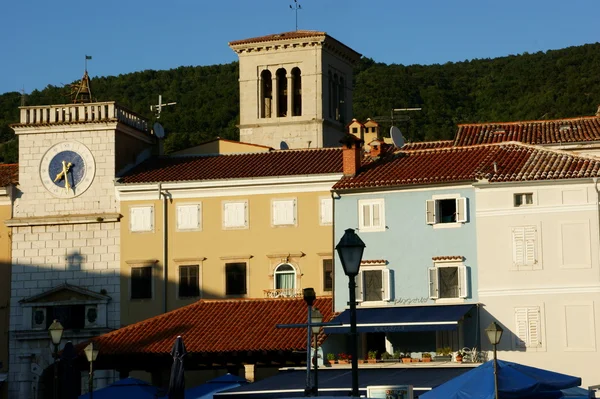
column 554, row 84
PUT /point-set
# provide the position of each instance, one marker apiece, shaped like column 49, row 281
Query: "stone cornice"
column 64, row 219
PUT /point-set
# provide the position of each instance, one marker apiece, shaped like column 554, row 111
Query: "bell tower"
column 295, row 89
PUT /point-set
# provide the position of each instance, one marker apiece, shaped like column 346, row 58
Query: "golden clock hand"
column 66, row 168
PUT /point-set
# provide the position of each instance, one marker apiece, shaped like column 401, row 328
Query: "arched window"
column 282, row 92
column 266, row 94
column 297, row 92
column 285, row 279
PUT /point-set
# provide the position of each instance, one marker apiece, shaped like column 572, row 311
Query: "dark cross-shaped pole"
column 296, row 7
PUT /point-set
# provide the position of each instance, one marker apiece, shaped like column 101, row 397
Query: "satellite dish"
column 397, row 138
column 159, row 131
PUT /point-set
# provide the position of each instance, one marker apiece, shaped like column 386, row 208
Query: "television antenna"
column 23, row 96
column 158, row 107
column 296, row 7
column 396, row 117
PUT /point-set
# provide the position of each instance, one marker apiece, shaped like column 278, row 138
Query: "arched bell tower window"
column 285, row 280
column 282, row 92
column 266, row 95
column 297, row 92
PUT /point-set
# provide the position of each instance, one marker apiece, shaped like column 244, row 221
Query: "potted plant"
column 331, row 358
column 406, row 357
column 444, row 354
column 372, row 357
column 426, row 357
column 386, row 357
column 398, row 355
column 343, row 358
column 459, row 356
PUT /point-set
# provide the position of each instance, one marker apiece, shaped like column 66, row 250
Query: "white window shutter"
column 366, row 216
column 433, row 283
column 386, row 285
column 530, row 234
column 518, row 235
column 430, row 211
column 463, row 282
column 234, row 214
column 326, row 210
column 533, row 327
column 227, row 215
column 188, row 217
column 376, row 210
column 521, row 328
column 359, row 287
column 294, row 212
column 276, row 213
column 461, row 210
column 141, row 218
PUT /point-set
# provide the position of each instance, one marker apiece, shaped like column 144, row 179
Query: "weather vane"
column 296, row 7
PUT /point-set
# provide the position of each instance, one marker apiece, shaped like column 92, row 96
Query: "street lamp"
column 91, row 353
column 309, row 296
column 350, row 250
column 494, row 334
column 316, row 318
column 56, row 331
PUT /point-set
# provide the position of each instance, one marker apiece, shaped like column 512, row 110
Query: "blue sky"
column 44, row 42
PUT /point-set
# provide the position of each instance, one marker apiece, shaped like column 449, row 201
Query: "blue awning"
column 401, row 319
column 338, row 382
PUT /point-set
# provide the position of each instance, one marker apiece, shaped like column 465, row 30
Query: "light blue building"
column 417, row 285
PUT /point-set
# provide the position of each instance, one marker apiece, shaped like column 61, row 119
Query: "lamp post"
column 350, row 250
column 91, row 353
column 494, row 334
column 56, row 331
column 309, row 296
column 316, row 318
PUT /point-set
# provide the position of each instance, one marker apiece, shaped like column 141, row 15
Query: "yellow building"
column 237, row 226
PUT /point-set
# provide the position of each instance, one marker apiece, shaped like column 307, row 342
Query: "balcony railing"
column 283, row 293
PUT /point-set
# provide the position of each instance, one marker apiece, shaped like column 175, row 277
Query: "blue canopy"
column 126, row 388
column 401, row 318
column 219, row 384
column 514, row 381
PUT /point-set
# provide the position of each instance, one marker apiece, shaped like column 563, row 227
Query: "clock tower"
column 66, row 230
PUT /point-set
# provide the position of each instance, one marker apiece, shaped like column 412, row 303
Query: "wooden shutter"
column 521, row 327
column 533, row 327
column 524, row 245
column 518, row 236
column 359, row 287
column 461, row 210
column 366, row 216
column 376, row 213
column 141, row 218
column 284, row 212
column 433, row 283
column 234, row 214
column 386, row 285
column 188, row 217
column 326, row 211
column 463, row 282
column 530, row 234
column 430, row 211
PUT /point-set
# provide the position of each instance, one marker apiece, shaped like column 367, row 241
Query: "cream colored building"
column 295, row 89
column 237, row 226
column 539, row 272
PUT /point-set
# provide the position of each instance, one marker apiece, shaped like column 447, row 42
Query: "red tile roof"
column 279, row 36
column 9, row 174
column 494, row 162
column 373, row 262
column 573, row 130
column 423, row 145
column 448, row 257
column 236, row 166
column 218, row 327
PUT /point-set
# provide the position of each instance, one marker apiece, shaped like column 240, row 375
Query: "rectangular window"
column 189, row 281
column 326, row 211
column 283, row 212
column 141, row 282
column 371, row 215
column 524, row 247
column 235, row 214
column 523, row 199
column 354, row 130
column 448, row 282
column 189, row 217
column 446, row 210
column 141, row 219
column 235, row 278
column 373, row 284
column 528, row 327
column 70, row 316
column 327, row 274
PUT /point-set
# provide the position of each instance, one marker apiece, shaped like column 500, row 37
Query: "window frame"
column 198, row 279
column 523, row 199
column 324, row 272
column 285, row 223
column 525, row 344
column 380, row 202
column 246, row 224
column 246, row 274
column 386, row 284
column 521, row 262
column 131, row 278
column 188, row 204
column 151, row 220
column 433, row 278
column 432, row 211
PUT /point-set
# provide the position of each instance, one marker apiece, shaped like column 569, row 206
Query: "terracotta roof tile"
column 218, row 326
column 9, row 174
column 236, row 166
column 427, row 144
column 373, row 262
column 448, row 257
column 495, row 162
column 573, row 130
column 299, row 34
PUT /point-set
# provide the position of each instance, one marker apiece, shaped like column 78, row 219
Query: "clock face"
column 67, row 169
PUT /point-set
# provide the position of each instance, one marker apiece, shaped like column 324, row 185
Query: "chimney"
column 351, row 152
column 377, row 148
